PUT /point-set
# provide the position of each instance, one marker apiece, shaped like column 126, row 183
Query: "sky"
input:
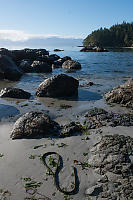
column 22, row 19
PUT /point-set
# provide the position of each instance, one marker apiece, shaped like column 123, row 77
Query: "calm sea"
column 105, row 69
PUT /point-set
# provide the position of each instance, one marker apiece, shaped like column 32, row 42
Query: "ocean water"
column 105, row 69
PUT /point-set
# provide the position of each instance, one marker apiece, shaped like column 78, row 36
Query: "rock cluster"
column 122, row 94
column 98, row 117
column 93, row 49
column 13, row 63
column 112, row 158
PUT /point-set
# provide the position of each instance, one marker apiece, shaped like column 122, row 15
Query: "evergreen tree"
column 119, row 35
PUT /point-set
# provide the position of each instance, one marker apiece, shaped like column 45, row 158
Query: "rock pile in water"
column 13, row 63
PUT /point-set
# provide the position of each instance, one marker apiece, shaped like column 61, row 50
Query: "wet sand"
column 20, row 160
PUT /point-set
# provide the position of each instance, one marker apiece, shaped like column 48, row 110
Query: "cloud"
column 19, row 35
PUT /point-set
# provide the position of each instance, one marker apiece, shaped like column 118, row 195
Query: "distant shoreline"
column 119, row 47
column 113, row 47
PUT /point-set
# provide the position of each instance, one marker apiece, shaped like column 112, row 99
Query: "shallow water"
column 105, row 69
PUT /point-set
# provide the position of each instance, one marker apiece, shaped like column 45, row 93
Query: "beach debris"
column 5, row 194
column 57, row 166
column 65, row 106
column 24, row 105
column 34, row 124
column 57, row 86
column 123, row 94
column 32, row 157
column 62, row 145
column 38, row 146
column 1, row 155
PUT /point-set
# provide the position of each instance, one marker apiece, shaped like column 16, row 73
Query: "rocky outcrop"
column 8, row 69
column 71, row 64
column 93, row 49
column 58, row 50
column 14, row 93
column 33, row 125
column 58, row 86
column 112, row 159
column 40, row 67
column 122, row 94
column 98, row 117
column 31, row 54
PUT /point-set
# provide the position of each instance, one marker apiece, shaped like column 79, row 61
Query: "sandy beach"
column 20, row 159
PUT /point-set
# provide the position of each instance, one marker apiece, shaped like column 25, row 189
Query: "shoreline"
column 20, row 160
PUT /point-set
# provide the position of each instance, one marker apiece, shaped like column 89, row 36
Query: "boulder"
column 71, row 64
column 40, row 67
column 58, row 63
column 58, row 86
column 122, row 94
column 33, row 125
column 14, row 93
column 53, row 57
column 8, row 69
column 25, row 65
column 66, row 58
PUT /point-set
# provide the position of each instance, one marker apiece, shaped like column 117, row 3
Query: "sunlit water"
column 105, row 69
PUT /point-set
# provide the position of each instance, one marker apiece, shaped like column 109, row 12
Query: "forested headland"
column 119, row 35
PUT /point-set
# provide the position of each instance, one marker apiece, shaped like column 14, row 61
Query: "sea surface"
column 105, row 69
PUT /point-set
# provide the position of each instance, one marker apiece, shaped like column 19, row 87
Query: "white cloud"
column 18, row 35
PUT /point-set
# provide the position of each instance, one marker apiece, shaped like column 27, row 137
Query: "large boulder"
column 122, row 94
column 58, row 86
column 71, row 64
column 40, row 67
column 34, row 124
column 14, row 93
column 8, row 69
